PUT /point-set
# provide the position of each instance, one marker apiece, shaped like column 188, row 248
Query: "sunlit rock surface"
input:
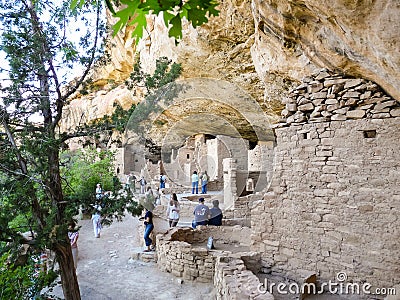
column 263, row 47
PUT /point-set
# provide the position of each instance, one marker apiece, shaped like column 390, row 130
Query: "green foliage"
column 165, row 73
column 42, row 45
column 134, row 12
column 117, row 121
column 15, row 282
column 82, row 170
column 23, row 281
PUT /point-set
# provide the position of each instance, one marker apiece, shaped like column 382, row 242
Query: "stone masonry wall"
column 334, row 201
column 183, row 252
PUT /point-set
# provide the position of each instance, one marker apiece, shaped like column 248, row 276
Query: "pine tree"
column 41, row 53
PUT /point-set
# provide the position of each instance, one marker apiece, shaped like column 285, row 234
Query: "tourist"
column 173, row 211
column 163, row 179
column 157, row 196
column 149, row 198
column 148, row 223
column 73, row 236
column 215, row 214
column 195, row 182
column 201, row 214
column 133, row 183
column 99, row 192
column 143, row 184
column 130, row 183
column 204, row 181
column 128, row 179
column 115, row 183
column 96, row 220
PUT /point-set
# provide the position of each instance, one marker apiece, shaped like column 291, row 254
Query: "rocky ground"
column 106, row 272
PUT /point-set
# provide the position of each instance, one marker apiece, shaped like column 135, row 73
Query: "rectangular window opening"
column 369, row 134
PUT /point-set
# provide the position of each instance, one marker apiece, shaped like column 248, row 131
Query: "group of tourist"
column 202, row 214
column 206, row 216
column 204, row 178
column 130, row 183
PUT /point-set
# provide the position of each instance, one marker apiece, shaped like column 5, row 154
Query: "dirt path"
column 105, row 270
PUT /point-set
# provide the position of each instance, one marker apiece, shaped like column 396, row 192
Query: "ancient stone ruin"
column 318, row 195
column 334, row 186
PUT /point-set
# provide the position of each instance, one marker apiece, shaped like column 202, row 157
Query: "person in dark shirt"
column 201, row 214
column 215, row 214
column 148, row 223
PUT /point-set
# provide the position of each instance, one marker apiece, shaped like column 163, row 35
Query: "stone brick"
column 324, row 153
column 328, row 177
column 332, row 101
column 355, row 114
column 306, row 107
column 395, row 112
column 337, row 117
column 329, row 169
column 292, row 107
column 323, row 192
column 385, row 104
column 329, row 83
column 353, row 83
column 314, row 88
column 381, row 116
column 350, row 94
column 319, row 95
column 332, row 107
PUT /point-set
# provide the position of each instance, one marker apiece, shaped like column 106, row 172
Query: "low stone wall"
column 242, row 209
column 176, row 255
column 183, row 252
column 234, row 282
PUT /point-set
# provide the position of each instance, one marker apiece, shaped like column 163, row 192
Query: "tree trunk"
column 69, row 280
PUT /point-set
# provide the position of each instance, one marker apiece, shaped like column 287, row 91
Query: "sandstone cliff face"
column 358, row 38
column 264, row 47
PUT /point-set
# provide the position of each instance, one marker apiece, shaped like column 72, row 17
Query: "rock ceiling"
column 263, row 48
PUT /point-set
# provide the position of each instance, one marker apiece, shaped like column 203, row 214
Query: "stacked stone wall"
column 233, row 281
column 183, row 252
column 335, row 197
column 329, row 97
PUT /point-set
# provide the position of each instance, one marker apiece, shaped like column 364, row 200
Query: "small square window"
column 369, row 134
column 188, row 156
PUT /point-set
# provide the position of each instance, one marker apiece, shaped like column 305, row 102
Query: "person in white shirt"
column 173, row 211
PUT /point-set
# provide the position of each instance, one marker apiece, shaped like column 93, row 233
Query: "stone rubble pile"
column 326, row 97
column 234, row 282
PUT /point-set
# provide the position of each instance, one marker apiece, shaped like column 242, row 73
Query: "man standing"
column 201, row 214
column 143, row 184
column 163, row 179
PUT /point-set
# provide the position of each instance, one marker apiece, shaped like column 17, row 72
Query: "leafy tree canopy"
column 134, row 12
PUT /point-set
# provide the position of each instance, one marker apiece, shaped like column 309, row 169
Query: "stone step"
column 139, row 254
